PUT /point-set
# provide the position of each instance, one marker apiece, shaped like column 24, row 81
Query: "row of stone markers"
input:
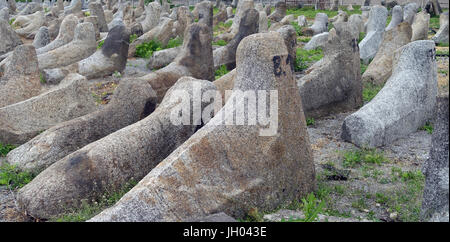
column 82, row 150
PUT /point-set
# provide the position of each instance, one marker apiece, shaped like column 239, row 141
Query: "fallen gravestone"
column 405, row 102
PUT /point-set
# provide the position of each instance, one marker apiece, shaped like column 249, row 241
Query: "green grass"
column 427, row 127
column 311, row 207
column 145, row 50
column 370, row 91
column 221, row 71
column 5, row 149
column 442, row 44
column 442, row 52
column 12, row 21
column 361, row 36
column 434, row 22
column 310, row 12
column 12, row 177
column 297, row 28
column 222, row 26
column 304, row 40
column 42, row 78
column 100, row 44
column 358, row 157
column 220, row 42
column 310, row 121
column 88, row 210
column 307, row 57
column 133, row 37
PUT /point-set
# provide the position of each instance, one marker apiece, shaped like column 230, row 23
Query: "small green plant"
column 442, row 52
column 87, row 14
column 117, row 74
column 312, row 207
column 5, row 149
column 310, row 121
column 174, row 43
column 254, row 216
column 370, row 91
column 133, row 37
column 100, row 44
column 42, row 78
column 361, row 36
column 220, row 42
column 306, row 57
column 12, row 177
column 221, row 71
column 369, row 156
column 297, row 28
column 11, row 21
column 427, row 127
column 145, row 50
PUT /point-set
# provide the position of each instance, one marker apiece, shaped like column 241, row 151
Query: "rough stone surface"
column 30, row 30
column 231, row 168
column 376, row 24
column 111, row 58
column 420, row 26
column 162, row 58
column 404, row 104
column 435, row 196
column 4, row 14
column 263, row 22
column 67, row 137
column 97, row 10
column 320, row 25
column 226, row 55
column 8, row 38
column 409, row 11
column 279, row 13
column 442, row 34
column 242, row 7
column 42, row 38
column 22, row 121
column 74, row 7
column 152, row 15
column 333, row 84
column 301, row 20
column 21, row 78
column 397, row 17
column 106, row 164
column 358, row 21
column 82, row 46
column 317, row 41
column 380, row 69
column 65, row 35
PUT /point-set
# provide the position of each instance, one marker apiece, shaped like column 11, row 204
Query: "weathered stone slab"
column 320, row 25
column 67, row 137
column 435, row 196
column 368, row 47
column 42, row 38
column 21, row 78
column 97, row 10
column 8, row 38
column 65, row 35
column 22, row 121
column 317, row 41
column 82, row 46
column 405, row 102
column 333, row 84
column 380, row 69
column 409, row 11
column 420, row 26
column 231, row 168
column 279, row 13
column 162, row 58
column 442, row 34
column 106, row 164
column 30, row 30
column 397, row 17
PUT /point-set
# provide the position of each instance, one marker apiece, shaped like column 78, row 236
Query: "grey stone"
column 333, row 84
column 409, row 11
column 152, row 15
column 234, row 3
column 442, row 34
column 280, row 12
column 350, row 7
column 397, row 17
column 243, row 6
column 226, row 55
column 138, row 147
column 4, row 14
column 65, row 35
column 82, row 46
column 320, row 25
column 162, row 58
column 317, row 41
column 230, row 168
column 53, row 76
column 358, row 22
column 335, row 5
column 97, row 10
column 380, row 69
column 94, row 21
column 376, row 24
column 22, row 121
column 289, row 36
column 435, row 196
column 433, row 7
column 263, row 22
column 420, row 26
column 221, row 16
column 67, row 137
column 230, row 12
column 205, row 13
column 30, row 8
column 8, row 38
column 21, row 78
column 405, row 102
column 184, row 19
column 29, row 31
column 74, row 7
column 301, row 20
column 268, row 9
column 340, row 17
column 60, row 5
column 42, row 38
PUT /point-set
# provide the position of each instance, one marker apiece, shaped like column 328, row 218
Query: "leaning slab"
column 397, row 17
column 435, row 196
column 232, row 168
column 380, row 69
column 409, row 12
column 8, row 38
column 320, row 25
column 420, row 26
column 162, row 58
column 333, row 84
column 279, row 13
column 317, row 41
column 105, row 165
column 404, row 104
column 22, row 121
column 65, row 34
column 368, row 47
column 442, row 34
column 67, row 137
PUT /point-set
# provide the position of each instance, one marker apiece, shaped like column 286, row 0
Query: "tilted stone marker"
column 368, row 47
column 442, row 34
